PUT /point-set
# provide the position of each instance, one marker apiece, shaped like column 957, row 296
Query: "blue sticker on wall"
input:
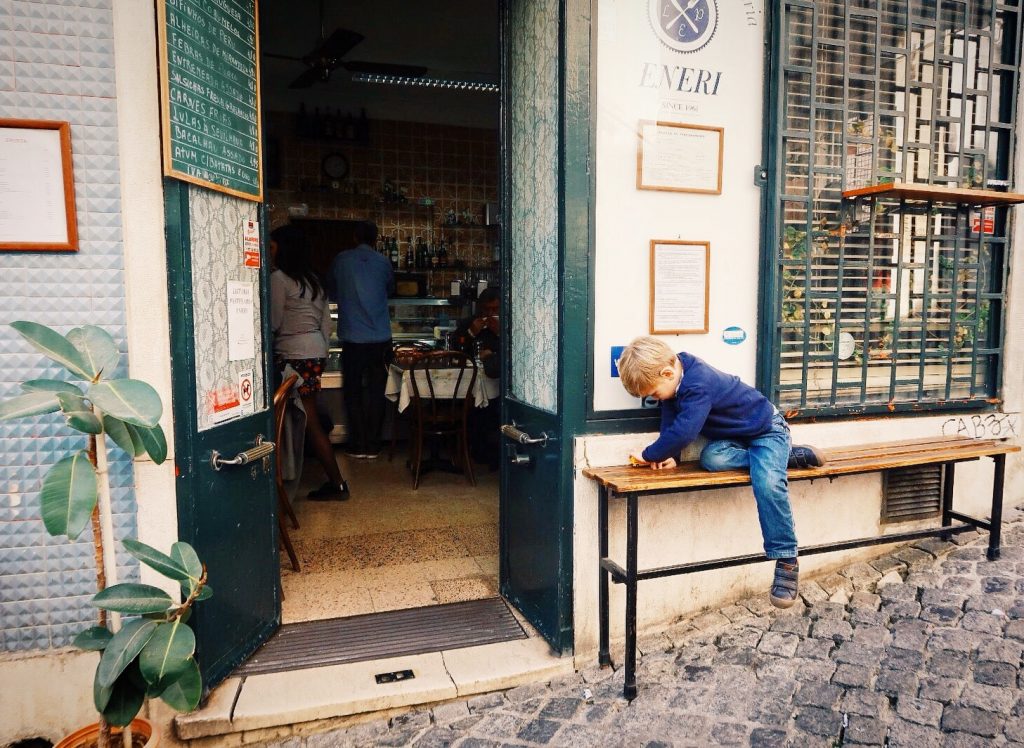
column 734, row 335
column 616, row 352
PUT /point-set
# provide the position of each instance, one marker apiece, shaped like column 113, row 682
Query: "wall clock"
column 335, row 166
column 684, row 25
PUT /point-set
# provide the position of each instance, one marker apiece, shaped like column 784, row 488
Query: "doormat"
column 394, row 633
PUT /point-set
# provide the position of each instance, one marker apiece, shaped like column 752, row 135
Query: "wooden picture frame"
column 680, row 287
column 690, row 159
column 37, row 187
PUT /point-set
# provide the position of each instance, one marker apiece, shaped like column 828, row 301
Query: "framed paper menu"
column 37, row 186
column 680, row 291
column 674, row 157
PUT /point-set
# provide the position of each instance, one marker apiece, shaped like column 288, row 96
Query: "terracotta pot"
column 89, row 734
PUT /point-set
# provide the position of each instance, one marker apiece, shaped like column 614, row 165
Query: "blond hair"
column 642, row 361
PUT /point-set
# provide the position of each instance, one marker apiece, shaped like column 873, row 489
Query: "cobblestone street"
column 916, row 649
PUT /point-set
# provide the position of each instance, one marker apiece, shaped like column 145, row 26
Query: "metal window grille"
column 911, row 493
column 889, row 304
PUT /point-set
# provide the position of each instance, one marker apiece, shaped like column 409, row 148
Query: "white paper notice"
column 680, row 288
column 31, row 187
column 241, row 325
column 680, row 158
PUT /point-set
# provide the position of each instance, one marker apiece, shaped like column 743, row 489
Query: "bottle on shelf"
column 442, row 255
column 394, row 253
column 435, row 258
column 410, row 256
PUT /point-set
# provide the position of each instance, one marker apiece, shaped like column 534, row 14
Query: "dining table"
column 399, row 386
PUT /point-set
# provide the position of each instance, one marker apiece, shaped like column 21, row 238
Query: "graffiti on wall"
column 983, row 426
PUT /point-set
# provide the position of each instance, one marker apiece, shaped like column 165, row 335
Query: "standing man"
column 362, row 280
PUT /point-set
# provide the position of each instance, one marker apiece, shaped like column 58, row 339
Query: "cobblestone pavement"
column 919, row 648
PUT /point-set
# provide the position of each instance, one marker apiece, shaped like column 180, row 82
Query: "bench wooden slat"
column 870, row 458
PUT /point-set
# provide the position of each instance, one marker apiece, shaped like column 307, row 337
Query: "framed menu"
column 674, row 157
column 37, row 186
column 680, row 291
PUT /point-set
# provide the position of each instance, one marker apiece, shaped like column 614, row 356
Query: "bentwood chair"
column 442, row 394
column 404, row 356
column 283, row 504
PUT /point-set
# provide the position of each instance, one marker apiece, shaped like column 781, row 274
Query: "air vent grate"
column 911, row 493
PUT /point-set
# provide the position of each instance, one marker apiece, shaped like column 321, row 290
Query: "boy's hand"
column 664, row 465
column 637, row 461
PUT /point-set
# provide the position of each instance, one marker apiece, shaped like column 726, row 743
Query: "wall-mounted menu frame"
column 37, row 186
column 680, row 291
column 676, row 157
column 210, row 94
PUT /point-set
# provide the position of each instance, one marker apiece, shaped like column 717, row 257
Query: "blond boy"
column 744, row 432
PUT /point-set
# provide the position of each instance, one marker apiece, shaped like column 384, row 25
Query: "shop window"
column 889, row 304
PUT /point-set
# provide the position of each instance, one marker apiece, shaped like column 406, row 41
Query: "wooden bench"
column 630, row 483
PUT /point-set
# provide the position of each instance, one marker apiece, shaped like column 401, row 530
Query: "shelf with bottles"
column 335, row 127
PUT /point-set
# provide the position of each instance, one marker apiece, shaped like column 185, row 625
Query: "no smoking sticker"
column 246, row 393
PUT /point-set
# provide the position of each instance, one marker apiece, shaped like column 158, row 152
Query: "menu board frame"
column 165, row 107
column 713, row 157
column 658, row 286
column 66, row 166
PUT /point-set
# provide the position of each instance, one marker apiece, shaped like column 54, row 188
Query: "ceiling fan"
column 328, row 55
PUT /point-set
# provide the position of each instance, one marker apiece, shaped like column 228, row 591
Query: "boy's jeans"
column 767, row 457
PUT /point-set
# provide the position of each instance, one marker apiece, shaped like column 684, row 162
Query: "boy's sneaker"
column 329, row 492
column 785, row 585
column 803, row 456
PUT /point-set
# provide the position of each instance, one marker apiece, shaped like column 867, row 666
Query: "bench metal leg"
column 632, row 531
column 997, row 507
column 603, row 657
column 947, row 496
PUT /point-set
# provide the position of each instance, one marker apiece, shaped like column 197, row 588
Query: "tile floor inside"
column 389, row 546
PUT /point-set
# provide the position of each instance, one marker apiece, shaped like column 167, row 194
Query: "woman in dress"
column 301, row 325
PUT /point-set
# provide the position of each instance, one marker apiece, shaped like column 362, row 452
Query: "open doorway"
column 390, row 113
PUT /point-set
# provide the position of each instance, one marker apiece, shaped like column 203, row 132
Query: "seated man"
column 479, row 337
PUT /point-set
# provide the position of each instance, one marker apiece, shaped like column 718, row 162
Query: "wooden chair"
column 404, row 356
column 283, row 504
column 441, row 409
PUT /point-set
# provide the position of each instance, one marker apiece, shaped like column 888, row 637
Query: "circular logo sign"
column 684, row 25
column 734, row 335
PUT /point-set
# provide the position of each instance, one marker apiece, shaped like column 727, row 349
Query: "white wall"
column 630, row 59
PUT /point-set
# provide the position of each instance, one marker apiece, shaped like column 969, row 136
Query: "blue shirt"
column 711, row 403
column 361, row 281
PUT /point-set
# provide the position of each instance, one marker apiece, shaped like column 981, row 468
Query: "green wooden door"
column 536, row 522
column 228, row 515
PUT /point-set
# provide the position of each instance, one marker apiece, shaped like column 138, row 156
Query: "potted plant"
column 151, row 652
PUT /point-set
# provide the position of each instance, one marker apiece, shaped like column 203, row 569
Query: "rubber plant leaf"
column 183, row 694
column 167, row 655
column 156, row 560
column 69, row 495
column 54, row 346
column 153, row 441
column 123, row 435
column 78, row 414
column 132, row 598
column 51, row 385
column 29, row 404
column 123, row 648
column 98, row 349
column 129, row 400
column 94, row 639
column 126, row 699
column 184, row 554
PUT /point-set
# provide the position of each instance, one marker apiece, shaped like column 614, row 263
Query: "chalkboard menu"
column 210, row 97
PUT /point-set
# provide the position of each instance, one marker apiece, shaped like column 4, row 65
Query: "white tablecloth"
column 400, row 386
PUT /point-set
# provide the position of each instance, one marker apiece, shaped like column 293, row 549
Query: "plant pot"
column 88, row 735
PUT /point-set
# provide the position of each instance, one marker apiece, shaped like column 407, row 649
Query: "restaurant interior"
column 390, row 113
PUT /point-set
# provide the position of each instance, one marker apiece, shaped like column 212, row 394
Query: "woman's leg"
column 318, row 440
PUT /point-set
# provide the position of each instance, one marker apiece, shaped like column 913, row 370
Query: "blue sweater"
column 711, row 403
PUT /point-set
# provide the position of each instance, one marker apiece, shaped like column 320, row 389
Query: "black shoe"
column 329, row 492
column 803, row 456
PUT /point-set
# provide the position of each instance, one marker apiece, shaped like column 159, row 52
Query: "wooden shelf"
column 936, row 194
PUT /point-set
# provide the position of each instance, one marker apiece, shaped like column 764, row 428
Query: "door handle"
column 260, row 450
column 521, row 437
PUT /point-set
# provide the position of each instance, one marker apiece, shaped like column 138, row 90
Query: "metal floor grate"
column 390, row 634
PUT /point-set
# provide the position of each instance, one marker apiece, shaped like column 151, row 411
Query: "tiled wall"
column 456, row 167
column 57, row 63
